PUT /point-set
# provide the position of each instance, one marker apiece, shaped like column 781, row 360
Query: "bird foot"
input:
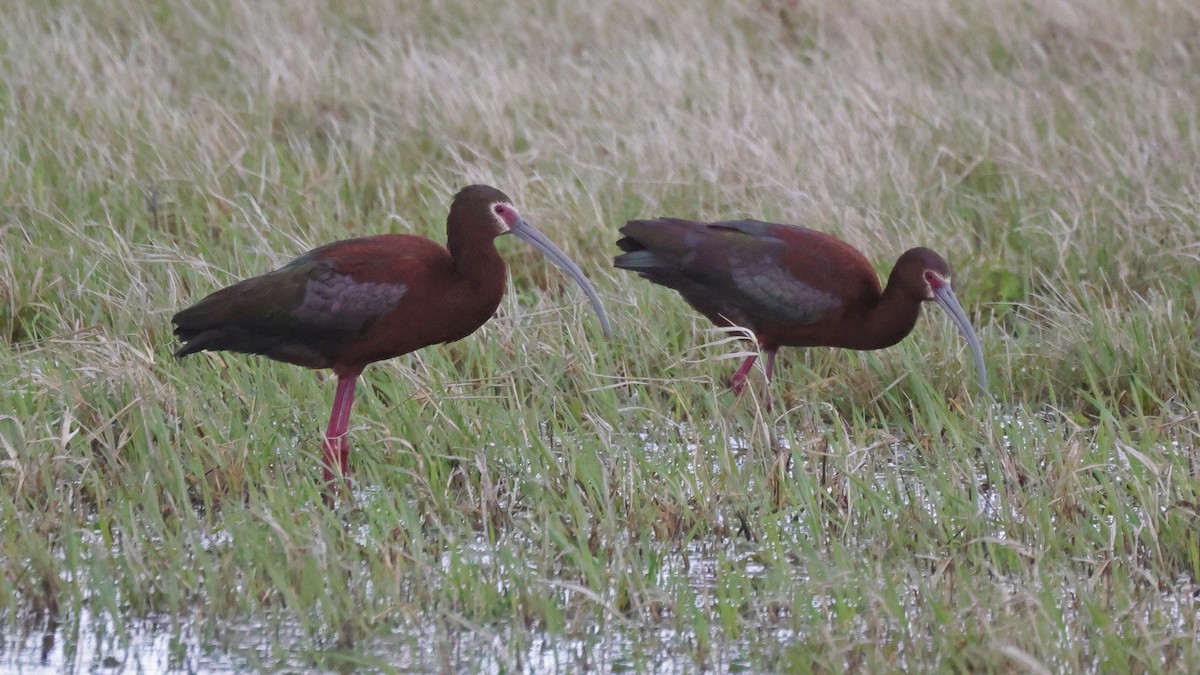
column 336, row 469
column 738, row 381
column 335, row 488
column 737, row 384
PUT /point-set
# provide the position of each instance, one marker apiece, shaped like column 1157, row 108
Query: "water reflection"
column 655, row 635
column 90, row 644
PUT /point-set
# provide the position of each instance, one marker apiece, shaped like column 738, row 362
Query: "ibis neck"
column 468, row 249
column 477, row 261
column 891, row 319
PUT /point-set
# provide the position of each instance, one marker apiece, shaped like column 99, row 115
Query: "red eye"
column 500, row 210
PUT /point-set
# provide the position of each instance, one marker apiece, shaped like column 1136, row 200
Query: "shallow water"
column 149, row 647
column 92, row 645
column 431, row 642
column 156, row 647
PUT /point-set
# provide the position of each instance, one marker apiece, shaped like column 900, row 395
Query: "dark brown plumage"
column 789, row 285
column 351, row 303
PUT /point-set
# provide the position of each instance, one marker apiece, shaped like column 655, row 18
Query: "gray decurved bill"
column 539, row 241
column 949, row 302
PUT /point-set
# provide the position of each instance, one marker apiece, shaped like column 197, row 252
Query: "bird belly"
column 409, row 328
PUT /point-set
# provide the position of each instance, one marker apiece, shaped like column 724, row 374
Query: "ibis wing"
column 764, row 282
column 732, row 271
column 757, row 229
column 336, row 301
column 301, row 312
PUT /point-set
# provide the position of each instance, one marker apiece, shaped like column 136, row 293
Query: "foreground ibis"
column 789, row 285
column 351, row 303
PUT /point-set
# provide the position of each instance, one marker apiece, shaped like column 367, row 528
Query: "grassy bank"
column 582, row 502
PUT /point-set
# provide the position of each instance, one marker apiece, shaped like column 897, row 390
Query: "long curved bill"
column 945, row 297
column 539, row 241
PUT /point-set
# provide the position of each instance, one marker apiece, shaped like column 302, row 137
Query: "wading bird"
column 789, row 285
column 351, row 303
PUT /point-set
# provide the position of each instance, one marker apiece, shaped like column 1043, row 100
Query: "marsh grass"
column 536, row 497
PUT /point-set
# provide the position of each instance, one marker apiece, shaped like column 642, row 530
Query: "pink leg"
column 337, row 446
column 738, row 381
